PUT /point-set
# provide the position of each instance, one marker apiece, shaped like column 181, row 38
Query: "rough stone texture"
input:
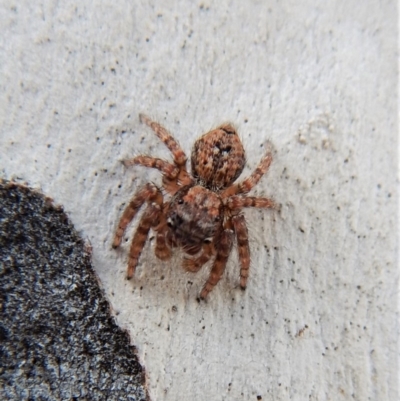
column 58, row 338
column 319, row 318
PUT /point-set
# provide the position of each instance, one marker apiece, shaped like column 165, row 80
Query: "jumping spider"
column 203, row 215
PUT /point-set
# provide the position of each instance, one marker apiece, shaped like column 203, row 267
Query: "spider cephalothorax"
column 202, row 216
column 186, row 231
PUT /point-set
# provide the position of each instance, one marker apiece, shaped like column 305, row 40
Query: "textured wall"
column 319, row 79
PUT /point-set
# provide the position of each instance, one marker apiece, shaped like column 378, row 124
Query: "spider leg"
column 242, row 237
column 237, row 202
column 150, row 216
column 245, row 186
column 169, row 141
column 169, row 170
column 172, row 174
column 224, row 249
column 162, row 250
column 194, row 265
column 149, row 192
column 177, row 152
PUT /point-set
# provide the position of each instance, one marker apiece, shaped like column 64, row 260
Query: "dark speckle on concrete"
column 58, row 339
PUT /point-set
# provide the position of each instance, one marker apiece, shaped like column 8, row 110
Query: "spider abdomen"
column 218, row 157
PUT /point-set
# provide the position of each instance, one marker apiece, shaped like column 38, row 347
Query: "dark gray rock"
column 58, row 340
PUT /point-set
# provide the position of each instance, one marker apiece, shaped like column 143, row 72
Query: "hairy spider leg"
column 148, row 193
column 162, row 250
column 242, row 238
column 169, row 141
column 150, row 218
column 169, row 170
column 245, row 186
column 177, row 153
column 237, row 202
column 223, row 251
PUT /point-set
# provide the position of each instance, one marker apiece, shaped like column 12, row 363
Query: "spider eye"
column 207, row 240
column 180, row 201
column 169, row 222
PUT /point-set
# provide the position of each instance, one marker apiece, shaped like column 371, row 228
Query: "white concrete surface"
column 319, row 318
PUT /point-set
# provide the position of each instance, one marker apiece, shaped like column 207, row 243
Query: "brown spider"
column 202, row 217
